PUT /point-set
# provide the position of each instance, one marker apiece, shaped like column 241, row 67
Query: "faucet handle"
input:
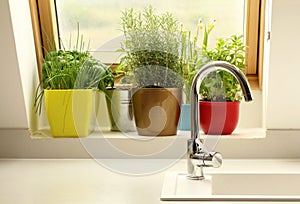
column 200, row 160
column 210, row 159
column 207, row 159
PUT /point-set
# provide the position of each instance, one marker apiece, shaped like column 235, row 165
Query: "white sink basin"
column 235, row 186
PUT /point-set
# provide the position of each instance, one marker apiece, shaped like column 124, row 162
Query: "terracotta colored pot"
column 157, row 110
column 219, row 118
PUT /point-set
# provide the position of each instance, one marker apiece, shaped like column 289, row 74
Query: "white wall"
column 283, row 98
column 18, row 75
column 26, row 56
column 12, row 107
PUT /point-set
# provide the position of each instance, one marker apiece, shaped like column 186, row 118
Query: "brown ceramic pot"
column 157, row 110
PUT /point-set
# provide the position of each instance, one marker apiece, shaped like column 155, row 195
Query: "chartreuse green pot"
column 69, row 112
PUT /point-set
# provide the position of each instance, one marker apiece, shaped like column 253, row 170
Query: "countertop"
column 78, row 181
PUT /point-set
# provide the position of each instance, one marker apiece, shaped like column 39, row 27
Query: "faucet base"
column 193, row 177
column 197, row 173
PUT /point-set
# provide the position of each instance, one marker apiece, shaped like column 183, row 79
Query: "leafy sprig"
column 221, row 85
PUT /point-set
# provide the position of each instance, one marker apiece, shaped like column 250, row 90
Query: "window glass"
column 99, row 20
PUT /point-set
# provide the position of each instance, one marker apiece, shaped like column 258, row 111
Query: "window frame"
column 255, row 32
column 44, row 21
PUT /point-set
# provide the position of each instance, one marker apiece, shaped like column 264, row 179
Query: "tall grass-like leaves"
column 60, row 68
column 65, row 69
column 192, row 53
column 75, row 68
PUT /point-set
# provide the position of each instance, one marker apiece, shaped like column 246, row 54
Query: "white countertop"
column 61, row 181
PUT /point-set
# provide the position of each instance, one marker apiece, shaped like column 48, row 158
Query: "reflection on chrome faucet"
column 198, row 156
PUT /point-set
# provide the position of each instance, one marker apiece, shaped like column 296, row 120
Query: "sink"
column 232, row 186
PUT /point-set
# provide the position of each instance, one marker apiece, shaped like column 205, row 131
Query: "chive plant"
column 72, row 69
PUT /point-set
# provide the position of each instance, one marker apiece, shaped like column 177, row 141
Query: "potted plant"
column 220, row 92
column 119, row 103
column 193, row 57
column 69, row 78
column 218, row 86
column 151, row 46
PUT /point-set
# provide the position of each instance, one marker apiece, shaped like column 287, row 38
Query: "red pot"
column 219, row 118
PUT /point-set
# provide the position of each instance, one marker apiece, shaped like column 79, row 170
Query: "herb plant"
column 60, row 68
column 221, row 85
column 192, row 53
column 72, row 69
column 151, row 45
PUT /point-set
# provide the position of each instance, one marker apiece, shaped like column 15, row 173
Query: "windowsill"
column 105, row 133
column 245, row 143
column 108, row 144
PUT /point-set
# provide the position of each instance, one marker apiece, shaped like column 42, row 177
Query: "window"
column 100, row 22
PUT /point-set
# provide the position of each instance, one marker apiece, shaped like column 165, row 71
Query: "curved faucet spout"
column 202, row 73
column 195, row 149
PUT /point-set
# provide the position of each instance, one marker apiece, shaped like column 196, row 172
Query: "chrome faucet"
column 198, row 156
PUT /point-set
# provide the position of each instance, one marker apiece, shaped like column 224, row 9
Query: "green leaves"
column 64, row 69
column 94, row 74
column 60, row 68
column 231, row 50
column 156, row 52
column 151, row 46
column 72, row 69
column 221, row 85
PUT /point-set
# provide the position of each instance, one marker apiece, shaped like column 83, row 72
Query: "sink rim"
column 170, row 184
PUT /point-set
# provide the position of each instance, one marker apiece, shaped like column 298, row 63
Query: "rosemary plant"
column 152, row 48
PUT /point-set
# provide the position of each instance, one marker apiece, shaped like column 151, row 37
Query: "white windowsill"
column 105, row 133
column 251, row 143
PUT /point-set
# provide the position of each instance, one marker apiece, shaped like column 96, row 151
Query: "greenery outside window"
column 48, row 24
